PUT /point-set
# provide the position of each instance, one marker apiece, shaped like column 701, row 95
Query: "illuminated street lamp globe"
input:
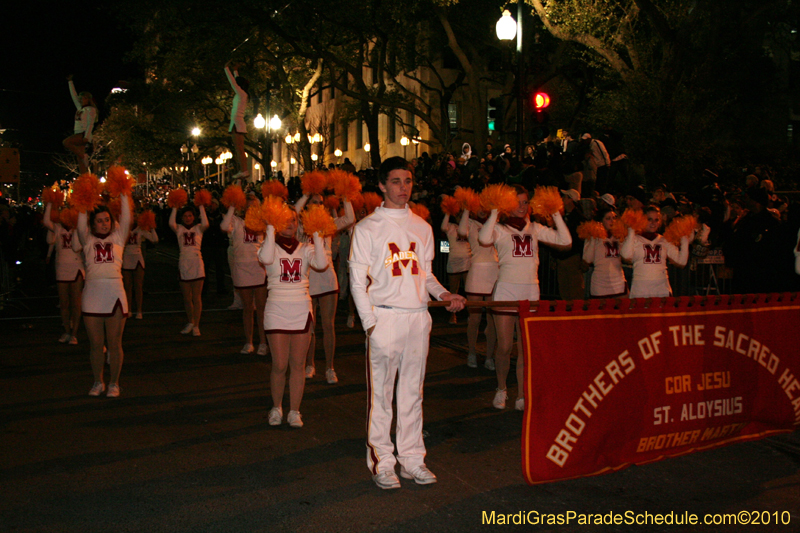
column 367, row 147
column 275, row 123
column 273, row 163
column 196, row 131
column 404, row 140
column 259, row 122
column 506, row 27
column 314, row 157
column 289, row 139
column 337, row 153
column 293, row 161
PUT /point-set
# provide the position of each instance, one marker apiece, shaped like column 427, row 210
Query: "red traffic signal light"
column 541, row 100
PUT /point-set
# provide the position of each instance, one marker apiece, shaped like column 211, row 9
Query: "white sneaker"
column 331, row 377
column 500, row 398
column 351, row 323
column 275, row 416
column 248, row 349
column 387, row 480
column 263, row 349
column 97, row 389
column 472, row 360
column 187, row 329
column 64, row 338
column 73, row 340
column 310, row 372
column 421, row 475
column 138, row 316
column 489, row 364
column 294, row 419
column 195, row 331
column 519, row 405
column 113, row 390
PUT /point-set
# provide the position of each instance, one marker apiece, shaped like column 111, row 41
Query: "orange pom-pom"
column 69, row 217
column 634, row 219
column 314, row 182
column 358, row 202
column 546, row 201
column 274, row 188
column 468, row 198
column 592, row 229
column 619, row 231
column 234, row 196
column 275, row 213
column 177, row 198
column 450, row 205
column 55, row 216
column 202, row 197
column 371, row 201
column 53, row 195
column 679, row 228
column 317, row 219
column 344, row 184
column 331, row 202
column 85, row 193
column 253, row 220
column 115, row 206
column 500, row 197
column 421, row 211
column 146, row 220
column 118, row 181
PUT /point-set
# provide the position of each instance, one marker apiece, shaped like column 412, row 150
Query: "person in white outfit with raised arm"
column 85, row 118
column 237, row 127
column 190, row 263
column 69, row 276
column 458, row 260
column 133, row 267
column 394, row 248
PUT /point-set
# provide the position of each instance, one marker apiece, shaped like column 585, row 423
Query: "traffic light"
column 541, row 100
column 495, row 114
column 540, row 128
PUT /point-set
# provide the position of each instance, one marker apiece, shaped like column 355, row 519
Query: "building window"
column 319, row 93
column 391, row 127
column 359, row 133
column 331, row 137
column 452, row 113
column 345, row 140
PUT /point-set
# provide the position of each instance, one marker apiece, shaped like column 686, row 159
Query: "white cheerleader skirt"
column 69, row 272
column 322, row 283
column 288, row 317
column 191, row 268
column 101, row 297
column 248, row 275
column 504, row 291
column 481, row 279
column 132, row 261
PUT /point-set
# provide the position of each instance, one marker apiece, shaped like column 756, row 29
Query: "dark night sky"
column 42, row 42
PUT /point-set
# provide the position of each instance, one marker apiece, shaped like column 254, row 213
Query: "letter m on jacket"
column 403, row 258
column 290, row 270
column 652, row 254
column 103, row 252
column 523, row 245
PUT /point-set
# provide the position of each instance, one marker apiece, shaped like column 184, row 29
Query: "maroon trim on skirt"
column 188, row 280
column 252, row 286
column 295, row 331
column 106, row 315
column 138, row 266
column 325, row 293
column 78, row 275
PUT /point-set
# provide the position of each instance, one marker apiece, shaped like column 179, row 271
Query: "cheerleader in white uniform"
column 517, row 242
column 190, row 264
column 133, row 266
column 85, row 117
column 324, row 289
column 458, row 260
column 104, row 304
column 69, row 276
column 249, row 276
column 238, row 128
column 287, row 315
column 649, row 252
column 608, row 280
column 481, row 278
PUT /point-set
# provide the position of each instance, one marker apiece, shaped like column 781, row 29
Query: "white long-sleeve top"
column 518, row 250
column 607, row 277
column 287, row 271
column 239, row 99
column 393, row 249
column 189, row 239
column 480, row 253
column 85, row 116
column 649, row 258
column 245, row 243
column 102, row 257
column 137, row 236
column 460, row 250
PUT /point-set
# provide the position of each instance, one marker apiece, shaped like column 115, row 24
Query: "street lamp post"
column 338, row 154
column 404, row 142
column 506, row 30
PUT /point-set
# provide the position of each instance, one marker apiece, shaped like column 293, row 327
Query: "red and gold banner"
column 619, row 384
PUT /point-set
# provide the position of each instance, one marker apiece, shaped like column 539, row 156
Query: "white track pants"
column 398, row 346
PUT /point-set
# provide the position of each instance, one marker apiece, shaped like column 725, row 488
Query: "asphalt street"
column 187, row 446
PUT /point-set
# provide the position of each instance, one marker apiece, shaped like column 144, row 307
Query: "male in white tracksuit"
column 393, row 248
